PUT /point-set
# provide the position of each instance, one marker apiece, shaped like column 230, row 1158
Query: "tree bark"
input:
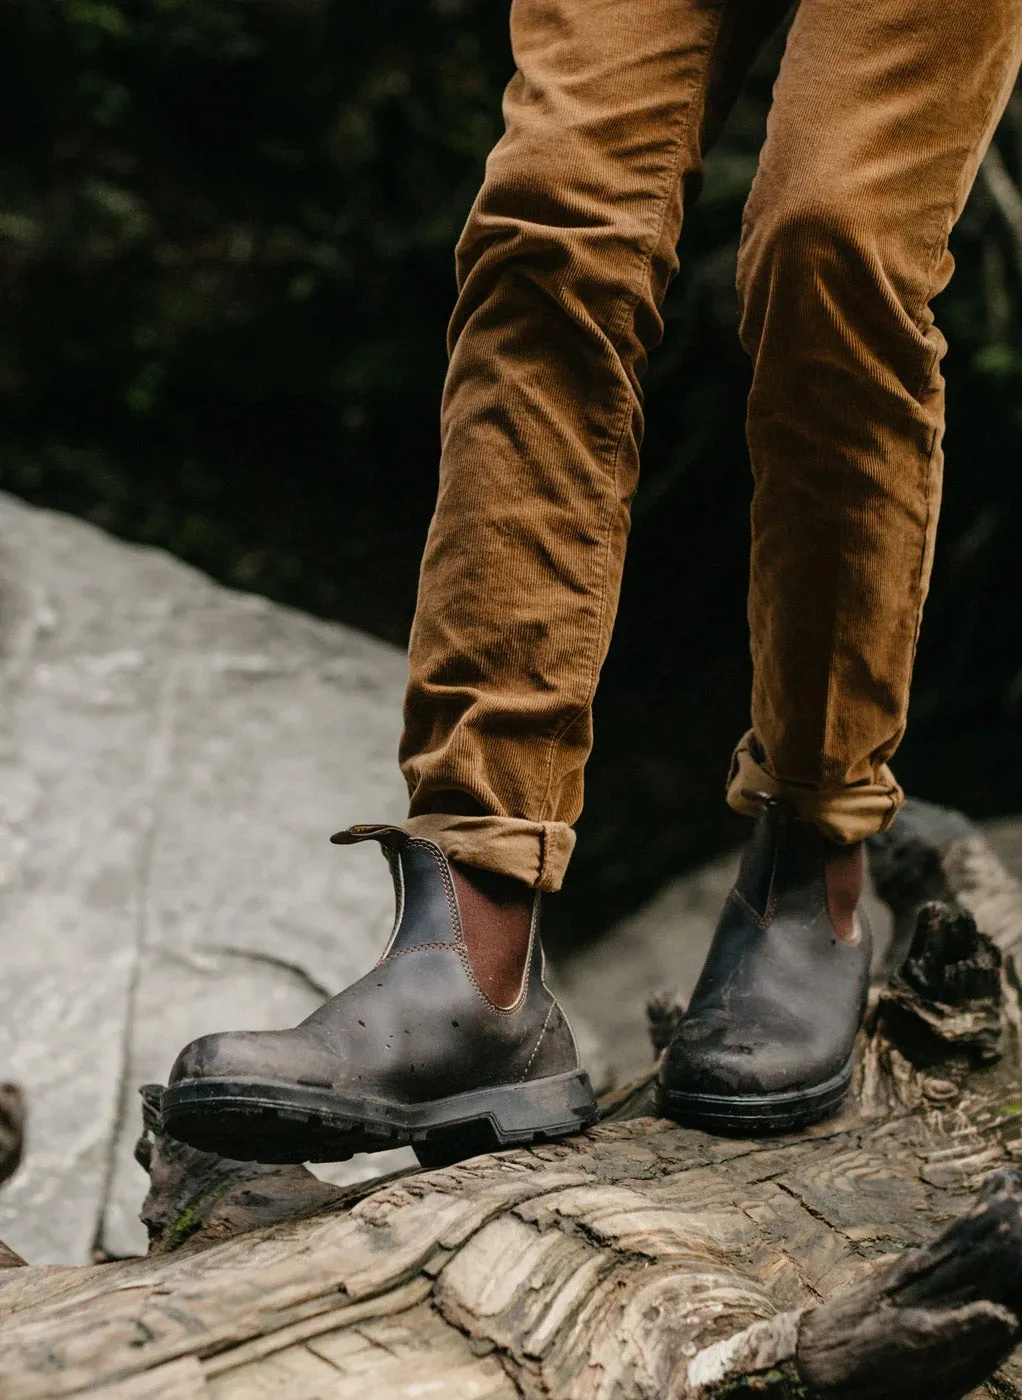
column 876, row 1255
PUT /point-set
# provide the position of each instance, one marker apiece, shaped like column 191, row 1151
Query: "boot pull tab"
column 770, row 802
column 388, row 836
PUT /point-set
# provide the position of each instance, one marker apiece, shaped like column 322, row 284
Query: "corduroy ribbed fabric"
column 880, row 117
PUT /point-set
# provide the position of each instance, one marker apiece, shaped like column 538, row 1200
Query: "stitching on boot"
column 539, row 1042
column 445, row 875
column 762, row 921
column 771, row 904
column 397, row 874
column 422, row 948
column 460, row 946
column 506, row 1011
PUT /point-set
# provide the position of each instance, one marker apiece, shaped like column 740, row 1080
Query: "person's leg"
column 562, row 267
column 881, row 115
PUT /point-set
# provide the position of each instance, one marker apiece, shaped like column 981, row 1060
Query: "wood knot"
column 949, row 960
column 945, row 1004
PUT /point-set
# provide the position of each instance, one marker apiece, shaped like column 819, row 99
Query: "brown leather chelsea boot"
column 766, row 1042
column 415, row 1052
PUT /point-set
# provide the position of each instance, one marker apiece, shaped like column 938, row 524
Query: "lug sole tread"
column 753, row 1115
column 285, row 1133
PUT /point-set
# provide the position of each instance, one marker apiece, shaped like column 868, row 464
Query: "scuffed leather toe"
column 713, row 1053
column 269, row 1055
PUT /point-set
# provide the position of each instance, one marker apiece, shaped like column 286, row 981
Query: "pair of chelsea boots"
column 417, row 1053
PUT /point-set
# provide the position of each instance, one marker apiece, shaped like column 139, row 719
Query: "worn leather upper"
column 418, row 1026
column 780, row 998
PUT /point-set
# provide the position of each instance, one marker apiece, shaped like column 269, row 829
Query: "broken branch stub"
column 945, row 1005
column 936, row 1322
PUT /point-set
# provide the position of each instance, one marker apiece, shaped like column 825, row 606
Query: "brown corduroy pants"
column 881, row 114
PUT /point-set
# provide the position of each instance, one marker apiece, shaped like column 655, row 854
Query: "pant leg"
column 562, row 267
column 882, row 112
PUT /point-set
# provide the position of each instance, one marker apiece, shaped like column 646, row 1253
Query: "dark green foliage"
column 226, row 251
column 228, row 232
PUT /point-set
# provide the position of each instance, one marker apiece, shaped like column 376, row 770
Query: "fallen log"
column 877, row 1255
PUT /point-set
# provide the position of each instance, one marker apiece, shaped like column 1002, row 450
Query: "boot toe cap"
column 250, row 1055
column 698, row 1067
column 711, row 1055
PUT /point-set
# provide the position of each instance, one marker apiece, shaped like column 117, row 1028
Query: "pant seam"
column 539, row 1042
column 941, row 241
column 628, row 304
column 933, row 254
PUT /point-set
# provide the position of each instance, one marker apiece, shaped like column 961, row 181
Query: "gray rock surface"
column 173, row 757
column 1005, row 836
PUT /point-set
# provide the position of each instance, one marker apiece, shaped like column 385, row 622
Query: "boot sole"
column 751, row 1115
column 259, row 1121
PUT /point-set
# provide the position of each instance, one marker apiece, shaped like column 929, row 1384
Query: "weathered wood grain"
column 601, row 1267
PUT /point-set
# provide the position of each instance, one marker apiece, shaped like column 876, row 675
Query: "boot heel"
column 514, row 1115
column 558, row 1104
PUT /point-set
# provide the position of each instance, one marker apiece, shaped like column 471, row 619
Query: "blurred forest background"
column 226, row 251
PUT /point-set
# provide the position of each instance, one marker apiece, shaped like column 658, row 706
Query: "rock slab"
column 173, row 757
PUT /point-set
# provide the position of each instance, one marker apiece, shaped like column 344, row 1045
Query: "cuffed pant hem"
column 537, row 853
column 844, row 815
